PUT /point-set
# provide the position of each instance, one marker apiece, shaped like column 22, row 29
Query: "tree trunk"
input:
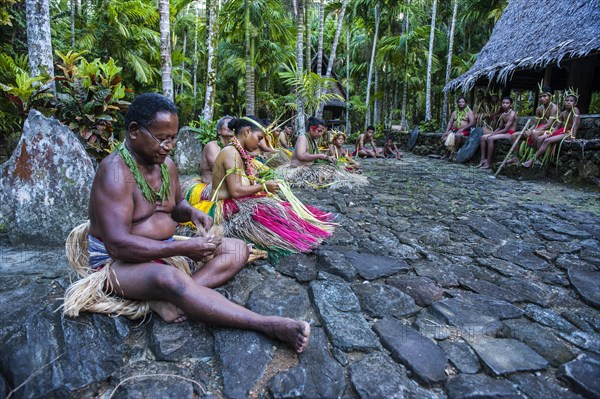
column 73, row 4
column 39, row 41
column 449, row 63
column 429, row 64
column 211, row 67
column 165, row 48
column 185, row 34
column 376, row 101
column 249, row 62
column 196, row 59
column 320, row 47
column 300, row 126
column 347, row 79
column 405, row 83
column 371, row 65
column 336, row 40
column 306, row 22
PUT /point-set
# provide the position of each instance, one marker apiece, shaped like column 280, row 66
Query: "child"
column 340, row 154
column 390, row 150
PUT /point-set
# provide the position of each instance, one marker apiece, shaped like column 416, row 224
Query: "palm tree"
column 320, row 45
column 249, row 50
column 372, row 65
column 449, row 63
column 300, row 126
column 211, row 70
column 38, row 38
column 429, row 64
column 165, row 48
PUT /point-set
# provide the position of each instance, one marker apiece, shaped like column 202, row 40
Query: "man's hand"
column 272, row 186
column 200, row 248
column 200, row 218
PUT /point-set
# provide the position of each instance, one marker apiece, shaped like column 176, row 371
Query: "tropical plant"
column 206, row 130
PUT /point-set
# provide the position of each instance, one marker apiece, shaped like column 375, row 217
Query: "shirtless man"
column 285, row 136
column 494, row 109
column 505, row 130
column 360, row 149
column 212, row 149
column 307, row 149
column 480, row 109
column 545, row 116
column 461, row 121
column 135, row 226
column 566, row 128
column 390, row 150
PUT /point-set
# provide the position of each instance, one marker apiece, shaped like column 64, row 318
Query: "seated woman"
column 250, row 208
column 269, row 152
column 566, row 128
column 199, row 189
column 340, row 154
column 311, row 168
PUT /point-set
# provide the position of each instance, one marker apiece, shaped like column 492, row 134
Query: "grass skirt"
column 318, row 176
column 88, row 294
column 271, row 224
column 273, row 160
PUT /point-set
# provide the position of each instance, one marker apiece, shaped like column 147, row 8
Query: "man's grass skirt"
column 319, row 176
column 92, row 292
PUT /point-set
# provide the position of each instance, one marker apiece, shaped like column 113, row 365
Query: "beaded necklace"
column 245, row 157
column 148, row 192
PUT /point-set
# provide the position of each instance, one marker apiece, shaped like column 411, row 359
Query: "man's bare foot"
column 528, row 163
column 513, row 161
column 485, row 165
column 168, row 312
column 290, row 331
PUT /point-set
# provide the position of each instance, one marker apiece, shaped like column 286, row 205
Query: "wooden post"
column 581, row 76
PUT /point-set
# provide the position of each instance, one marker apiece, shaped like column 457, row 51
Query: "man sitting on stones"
column 480, row 108
column 566, row 128
column 135, row 205
column 286, row 137
column 198, row 190
column 307, row 149
column 361, row 150
column 459, row 126
column 390, row 150
column 505, row 130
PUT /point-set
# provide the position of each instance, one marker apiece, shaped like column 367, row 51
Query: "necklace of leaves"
column 460, row 115
column 245, row 157
column 148, row 192
column 312, row 145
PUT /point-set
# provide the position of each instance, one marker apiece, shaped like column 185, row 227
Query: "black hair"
column 313, row 121
column 266, row 122
column 289, row 124
column 237, row 124
column 463, row 97
column 547, row 89
column 509, row 98
column 143, row 108
column 371, row 127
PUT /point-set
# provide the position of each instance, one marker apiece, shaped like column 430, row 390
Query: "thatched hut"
column 554, row 40
column 334, row 109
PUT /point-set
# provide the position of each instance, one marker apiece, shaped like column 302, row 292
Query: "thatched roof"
column 532, row 34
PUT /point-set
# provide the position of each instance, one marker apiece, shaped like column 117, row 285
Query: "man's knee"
column 235, row 248
column 171, row 281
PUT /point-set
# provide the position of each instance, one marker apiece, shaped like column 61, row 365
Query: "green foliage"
column 429, row 126
column 90, row 99
column 206, row 130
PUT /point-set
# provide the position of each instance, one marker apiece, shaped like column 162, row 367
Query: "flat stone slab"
column 582, row 373
column 505, row 356
column 371, row 267
column 492, row 306
column 461, row 356
column 422, row 289
column 420, row 354
column 489, row 229
column 340, row 311
column 541, row 387
column 493, row 290
column 335, row 263
column 299, row 266
column 541, row 339
column 380, row 300
column 479, row 386
column 522, row 254
column 463, row 314
column 587, row 284
column 548, row 317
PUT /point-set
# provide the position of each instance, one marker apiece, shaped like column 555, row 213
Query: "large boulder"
column 45, row 185
column 187, row 152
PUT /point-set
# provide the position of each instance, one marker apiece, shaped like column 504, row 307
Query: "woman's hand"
column 200, row 218
column 272, row 186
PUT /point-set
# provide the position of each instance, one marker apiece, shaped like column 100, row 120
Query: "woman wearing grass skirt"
column 259, row 211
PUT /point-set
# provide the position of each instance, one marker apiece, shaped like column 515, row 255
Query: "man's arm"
column 503, row 128
column 302, row 151
column 264, row 147
column 283, row 140
column 576, row 120
column 183, row 211
column 113, row 208
column 551, row 119
column 209, row 155
column 450, row 122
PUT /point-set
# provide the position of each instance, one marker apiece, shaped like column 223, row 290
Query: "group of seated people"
column 551, row 126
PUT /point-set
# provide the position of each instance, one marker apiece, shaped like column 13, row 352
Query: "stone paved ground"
column 440, row 281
